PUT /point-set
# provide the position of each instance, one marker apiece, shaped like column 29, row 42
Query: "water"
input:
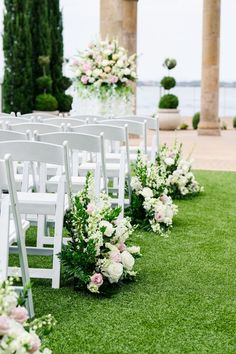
column 189, row 98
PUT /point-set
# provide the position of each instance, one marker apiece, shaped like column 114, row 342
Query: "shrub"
column 169, row 101
column 234, row 122
column 170, row 63
column 196, row 120
column 64, row 102
column 65, row 83
column 183, row 126
column 44, row 83
column 223, row 126
column 46, row 102
column 168, row 82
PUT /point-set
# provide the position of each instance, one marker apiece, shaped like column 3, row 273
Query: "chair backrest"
column 41, row 128
column 137, row 128
column 37, row 115
column 12, row 114
column 151, row 122
column 79, row 142
column 4, row 121
column 32, row 151
column 59, row 121
column 109, row 132
column 6, row 135
column 90, row 118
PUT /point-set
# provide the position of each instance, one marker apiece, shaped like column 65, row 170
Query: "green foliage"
column 17, row 84
column 170, row 63
column 168, row 82
column 64, row 83
column 234, row 122
column 169, row 101
column 44, row 84
column 46, row 102
column 64, row 102
column 183, row 126
column 196, row 120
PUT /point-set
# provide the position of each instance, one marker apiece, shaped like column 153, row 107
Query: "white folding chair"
column 117, row 171
column 79, row 143
column 137, row 128
column 152, row 124
column 12, row 230
column 89, row 118
column 66, row 122
column 12, row 114
column 41, row 203
column 41, row 128
column 37, row 115
column 6, row 120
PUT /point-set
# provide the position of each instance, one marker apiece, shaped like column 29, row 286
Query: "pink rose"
column 19, row 314
column 4, row 325
column 159, row 217
column 113, row 79
column 115, row 256
column 90, row 208
column 97, row 279
column 84, row 79
column 86, row 66
column 35, row 343
column 122, row 247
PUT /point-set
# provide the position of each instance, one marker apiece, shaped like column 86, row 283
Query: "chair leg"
column 59, row 217
column 4, row 249
column 41, row 230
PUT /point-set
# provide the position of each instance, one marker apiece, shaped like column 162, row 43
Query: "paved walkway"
column 207, row 152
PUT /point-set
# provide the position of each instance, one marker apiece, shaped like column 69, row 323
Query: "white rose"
column 108, row 228
column 127, row 260
column 169, row 161
column 127, row 71
column 115, row 56
column 105, row 62
column 134, row 249
column 114, row 272
column 96, row 72
column 120, row 63
column 147, row 192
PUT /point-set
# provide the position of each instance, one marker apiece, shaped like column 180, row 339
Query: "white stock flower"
column 147, row 192
column 169, row 161
column 127, row 260
column 134, row 250
column 135, row 184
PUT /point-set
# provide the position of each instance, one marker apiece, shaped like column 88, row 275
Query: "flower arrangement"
column 97, row 255
column 17, row 334
column 151, row 208
column 177, row 172
column 105, row 69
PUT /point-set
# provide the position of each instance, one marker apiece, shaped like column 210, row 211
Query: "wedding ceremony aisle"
column 183, row 300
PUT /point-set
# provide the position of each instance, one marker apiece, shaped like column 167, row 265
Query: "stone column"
column 111, row 19
column 209, row 122
column 129, row 25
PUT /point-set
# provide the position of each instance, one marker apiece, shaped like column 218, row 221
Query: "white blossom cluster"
column 150, row 186
column 177, row 171
column 14, row 336
column 115, row 260
column 105, row 64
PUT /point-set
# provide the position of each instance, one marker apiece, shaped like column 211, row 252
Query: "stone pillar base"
column 209, row 131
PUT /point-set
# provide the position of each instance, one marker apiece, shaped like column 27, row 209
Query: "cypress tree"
column 41, row 37
column 17, row 84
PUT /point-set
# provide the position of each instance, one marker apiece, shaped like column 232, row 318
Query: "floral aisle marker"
column 106, row 72
column 17, row 334
column 177, row 171
column 151, row 208
column 97, row 255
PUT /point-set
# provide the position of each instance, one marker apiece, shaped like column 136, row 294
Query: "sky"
column 166, row 28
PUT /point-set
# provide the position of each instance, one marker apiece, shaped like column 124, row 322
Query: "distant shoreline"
column 185, row 84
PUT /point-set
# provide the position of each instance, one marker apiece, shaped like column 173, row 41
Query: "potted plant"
column 45, row 101
column 168, row 114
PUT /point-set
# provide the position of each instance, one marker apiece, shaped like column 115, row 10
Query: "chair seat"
column 38, row 203
column 76, row 182
column 115, row 157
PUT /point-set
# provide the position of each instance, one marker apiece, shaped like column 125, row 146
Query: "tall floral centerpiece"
column 104, row 73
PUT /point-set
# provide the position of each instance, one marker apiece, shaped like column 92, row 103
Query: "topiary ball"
column 170, row 63
column 46, row 102
column 169, row 102
column 44, row 83
column 168, row 82
column 196, row 120
column 234, row 122
column 64, row 102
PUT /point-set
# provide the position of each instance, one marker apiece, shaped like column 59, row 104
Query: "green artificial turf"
column 184, row 299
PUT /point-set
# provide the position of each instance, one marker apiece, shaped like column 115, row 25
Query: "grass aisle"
column 184, row 300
